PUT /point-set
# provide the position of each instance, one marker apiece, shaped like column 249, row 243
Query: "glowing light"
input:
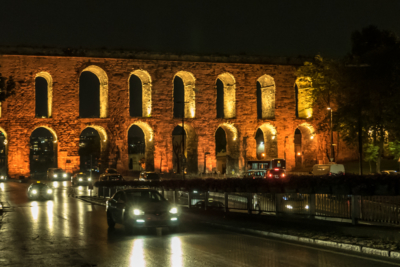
column 298, row 154
column 50, row 205
column 192, row 112
column 306, row 207
column 148, row 111
column 137, row 255
column 289, row 207
column 273, row 137
column 5, row 142
column 80, row 188
column 176, row 249
column 312, row 137
column 64, row 183
column 35, row 210
column 55, row 184
column 2, row 187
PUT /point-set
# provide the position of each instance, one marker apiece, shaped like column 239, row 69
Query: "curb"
column 344, row 246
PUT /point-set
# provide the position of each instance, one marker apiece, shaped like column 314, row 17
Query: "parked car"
column 211, row 205
column 81, row 178
column 110, row 177
column 149, row 176
column 54, row 174
column 276, row 173
column 254, row 174
column 139, row 208
column 40, row 190
column 389, row 172
column 331, row 169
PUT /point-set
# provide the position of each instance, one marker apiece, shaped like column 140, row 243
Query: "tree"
column 394, row 149
column 370, row 154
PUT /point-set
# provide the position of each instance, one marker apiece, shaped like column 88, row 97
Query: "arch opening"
column 303, row 97
column 226, row 96
column 92, row 148
column 185, row 157
column 139, row 94
column 266, row 142
column 265, row 97
column 43, row 95
column 140, row 147
column 227, row 149
column 43, row 150
column 184, row 95
column 93, row 93
column 305, row 146
column 3, row 152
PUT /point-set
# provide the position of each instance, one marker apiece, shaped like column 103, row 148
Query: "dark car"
column 110, row 177
column 56, row 174
column 139, row 208
column 40, row 190
column 111, row 171
column 149, row 176
column 81, row 178
column 275, row 173
column 211, row 205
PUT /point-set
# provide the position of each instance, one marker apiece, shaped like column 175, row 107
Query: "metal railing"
column 381, row 209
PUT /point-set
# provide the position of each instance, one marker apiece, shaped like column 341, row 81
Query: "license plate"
column 276, row 176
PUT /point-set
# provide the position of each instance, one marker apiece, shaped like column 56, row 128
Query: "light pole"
column 332, row 159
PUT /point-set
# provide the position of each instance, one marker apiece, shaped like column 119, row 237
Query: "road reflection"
column 55, row 184
column 50, row 206
column 34, row 210
column 137, row 255
column 176, row 257
column 2, row 186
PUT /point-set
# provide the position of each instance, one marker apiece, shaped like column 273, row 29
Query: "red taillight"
column 270, row 175
column 283, row 175
column 330, row 174
column 254, row 177
column 276, row 169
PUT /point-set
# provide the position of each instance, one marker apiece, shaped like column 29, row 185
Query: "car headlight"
column 55, row 175
column 89, row 179
column 49, row 191
column 173, row 211
column 2, row 177
column 64, row 175
column 80, row 179
column 138, row 212
column 34, row 191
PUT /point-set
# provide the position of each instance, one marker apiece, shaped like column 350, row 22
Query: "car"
column 110, row 177
column 275, row 173
column 54, row 174
column 254, row 174
column 149, row 176
column 81, row 178
column 3, row 177
column 389, row 172
column 331, row 169
column 211, row 205
column 141, row 208
column 40, row 190
column 111, row 171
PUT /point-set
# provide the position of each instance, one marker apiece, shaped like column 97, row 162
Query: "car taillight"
column 330, row 174
column 270, row 175
column 283, row 175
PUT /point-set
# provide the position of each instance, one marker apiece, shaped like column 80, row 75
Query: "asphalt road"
column 69, row 232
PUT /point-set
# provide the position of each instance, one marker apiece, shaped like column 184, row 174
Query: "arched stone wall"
column 49, row 80
column 229, row 94
column 267, row 85
column 304, row 98
column 145, row 77
column 103, row 79
column 309, row 150
column 149, row 143
column 270, row 140
column 189, row 82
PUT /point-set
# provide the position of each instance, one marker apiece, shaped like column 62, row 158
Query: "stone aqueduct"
column 278, row 117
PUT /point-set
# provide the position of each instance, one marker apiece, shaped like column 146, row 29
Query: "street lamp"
column 332, row 159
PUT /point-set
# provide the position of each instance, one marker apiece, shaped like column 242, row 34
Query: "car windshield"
column 111, row 171
column 144, row 196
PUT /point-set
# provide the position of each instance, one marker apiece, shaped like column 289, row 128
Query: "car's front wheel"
column 110, row 220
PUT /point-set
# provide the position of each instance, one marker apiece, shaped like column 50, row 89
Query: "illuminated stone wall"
column 240, row 108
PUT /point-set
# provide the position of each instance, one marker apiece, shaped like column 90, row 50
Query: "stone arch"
column 49, row 80
column 189, row 82
column 229, row 94
column 270, row 146
column 145, row 78
column 103, row 79
column 307, row 150
column 55, row 140
column 303, row 97
column 267, row 98
column 232, row 147
column 149, row 143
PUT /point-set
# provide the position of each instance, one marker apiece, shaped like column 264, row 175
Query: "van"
column 331, row 169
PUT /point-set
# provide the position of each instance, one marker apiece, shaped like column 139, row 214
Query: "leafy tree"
column 394, row 149
column 370, row 154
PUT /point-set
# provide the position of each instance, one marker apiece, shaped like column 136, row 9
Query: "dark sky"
column 270, row 28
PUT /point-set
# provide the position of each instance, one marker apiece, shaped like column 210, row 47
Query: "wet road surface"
column 66, row 231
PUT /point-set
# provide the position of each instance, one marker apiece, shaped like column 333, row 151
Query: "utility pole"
column 332, row 159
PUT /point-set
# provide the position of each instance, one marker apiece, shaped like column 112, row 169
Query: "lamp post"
column 332, row 159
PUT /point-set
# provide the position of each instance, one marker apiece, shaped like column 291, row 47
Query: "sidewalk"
column 370, row 239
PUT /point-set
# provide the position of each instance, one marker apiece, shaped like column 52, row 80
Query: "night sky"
column 269, row 28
